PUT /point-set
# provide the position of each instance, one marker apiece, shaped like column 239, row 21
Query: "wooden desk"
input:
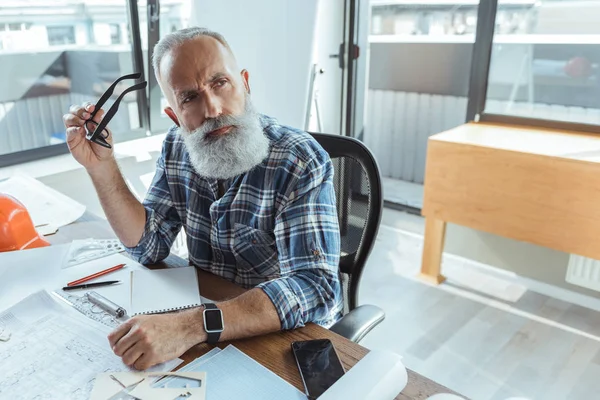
column 272, row 350
column 533, row 185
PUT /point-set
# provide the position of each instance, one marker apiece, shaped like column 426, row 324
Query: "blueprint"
column 54, row 352
column 231, row 374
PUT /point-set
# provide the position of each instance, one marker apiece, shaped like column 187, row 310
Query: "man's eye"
column 221, row 83
column 188, row 99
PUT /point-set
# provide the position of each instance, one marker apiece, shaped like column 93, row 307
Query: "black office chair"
column 360, row 204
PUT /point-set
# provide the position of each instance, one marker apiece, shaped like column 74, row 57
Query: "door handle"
column 339, row 55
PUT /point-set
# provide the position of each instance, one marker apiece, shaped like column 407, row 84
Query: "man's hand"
column 88, row 154
column 124, row 211
column 147, row 340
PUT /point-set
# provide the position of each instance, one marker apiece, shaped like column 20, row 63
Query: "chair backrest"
column 360, row 204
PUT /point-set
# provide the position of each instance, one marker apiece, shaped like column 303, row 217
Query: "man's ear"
column 169, row 111
column 246, row 79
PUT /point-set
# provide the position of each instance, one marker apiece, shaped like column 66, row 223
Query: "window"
column 420, row 18
column 34, row 100
column 389, row 17
column 174, row 15
column 115, row 34
column 60, row 35
column 545, row 62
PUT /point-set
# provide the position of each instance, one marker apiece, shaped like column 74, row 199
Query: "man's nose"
column 212, row 107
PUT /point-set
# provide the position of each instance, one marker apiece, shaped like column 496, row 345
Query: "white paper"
column 27, row 271
column 54, row 352
column 23, row 272
column 380, row 375
column 48, row 208
column 177, row 289
column 119, row 294
column 231, row 374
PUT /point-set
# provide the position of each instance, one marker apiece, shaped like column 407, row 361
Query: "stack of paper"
column 231, row 374
column 28, row 271
column 54, row 352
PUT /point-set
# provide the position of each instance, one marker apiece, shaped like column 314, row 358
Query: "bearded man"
column 255, row 198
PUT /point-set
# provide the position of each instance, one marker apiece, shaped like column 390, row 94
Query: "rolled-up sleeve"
column 162, row 220
column 308, row 244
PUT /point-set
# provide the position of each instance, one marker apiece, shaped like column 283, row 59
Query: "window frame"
column 53, row 150
column 72, row 35
column 478, row 85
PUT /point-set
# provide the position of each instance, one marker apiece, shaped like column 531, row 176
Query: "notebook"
column 164, row 290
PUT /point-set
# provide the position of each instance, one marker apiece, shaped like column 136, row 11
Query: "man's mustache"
column 219, row 122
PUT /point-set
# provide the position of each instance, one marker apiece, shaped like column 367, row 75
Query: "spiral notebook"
column 164, row 290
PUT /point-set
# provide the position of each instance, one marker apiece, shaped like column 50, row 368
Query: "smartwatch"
column 213, row 322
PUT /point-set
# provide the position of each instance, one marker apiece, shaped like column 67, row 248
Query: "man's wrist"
column 193, row 325
column 102, row 168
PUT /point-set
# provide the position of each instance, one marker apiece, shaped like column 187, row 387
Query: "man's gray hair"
column 175, row 39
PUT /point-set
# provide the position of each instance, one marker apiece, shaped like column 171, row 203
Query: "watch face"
column 213, row 321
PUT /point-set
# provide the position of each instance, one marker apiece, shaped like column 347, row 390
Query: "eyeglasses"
column 97, row 132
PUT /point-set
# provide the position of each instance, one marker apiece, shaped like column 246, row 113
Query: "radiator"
column 32, row 122
column 583, row 271
column 398, row 124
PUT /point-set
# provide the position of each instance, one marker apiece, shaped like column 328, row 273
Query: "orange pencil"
column 97, row 274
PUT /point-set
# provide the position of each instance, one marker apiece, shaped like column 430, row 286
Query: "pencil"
column 96, row 275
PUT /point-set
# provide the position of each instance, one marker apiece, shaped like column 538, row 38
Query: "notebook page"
column 164, row 290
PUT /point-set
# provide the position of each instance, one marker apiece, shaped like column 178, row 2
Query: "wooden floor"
column 479, row 343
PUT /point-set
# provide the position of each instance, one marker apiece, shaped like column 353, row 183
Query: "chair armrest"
column 358, row 322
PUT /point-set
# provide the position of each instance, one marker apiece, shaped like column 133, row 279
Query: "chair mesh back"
column 352, row 196
column 357, row 185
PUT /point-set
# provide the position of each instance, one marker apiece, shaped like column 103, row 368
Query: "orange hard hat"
column 17, row 231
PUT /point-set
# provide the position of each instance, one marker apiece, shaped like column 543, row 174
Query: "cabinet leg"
column 433, row 247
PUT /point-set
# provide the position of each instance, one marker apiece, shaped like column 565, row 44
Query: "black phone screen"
column 319, row 365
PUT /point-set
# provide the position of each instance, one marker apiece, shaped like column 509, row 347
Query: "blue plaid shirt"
column 275, row 227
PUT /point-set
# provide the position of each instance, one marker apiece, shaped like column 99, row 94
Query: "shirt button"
column 316, row 253
column 254, row 241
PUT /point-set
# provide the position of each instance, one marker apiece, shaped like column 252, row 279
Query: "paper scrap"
column 4, row 335
column 108, row 385
column 48, row 208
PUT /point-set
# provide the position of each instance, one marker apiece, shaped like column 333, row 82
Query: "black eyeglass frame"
column 99, row 133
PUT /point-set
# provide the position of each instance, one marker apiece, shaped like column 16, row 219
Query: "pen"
column 105, row 304
column 97, row 274
column 90, row 285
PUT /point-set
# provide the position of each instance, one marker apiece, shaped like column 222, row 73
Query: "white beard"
column 231, row 154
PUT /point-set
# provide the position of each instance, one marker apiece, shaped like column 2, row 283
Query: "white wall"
column 328, row 85
column 273, row 40
column 102, row 34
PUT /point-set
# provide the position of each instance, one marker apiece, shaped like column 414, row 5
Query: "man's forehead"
column 197, row 59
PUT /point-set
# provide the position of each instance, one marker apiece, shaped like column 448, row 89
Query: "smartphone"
column 319, row 365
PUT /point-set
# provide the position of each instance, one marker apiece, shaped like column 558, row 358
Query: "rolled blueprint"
column 380, row 375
